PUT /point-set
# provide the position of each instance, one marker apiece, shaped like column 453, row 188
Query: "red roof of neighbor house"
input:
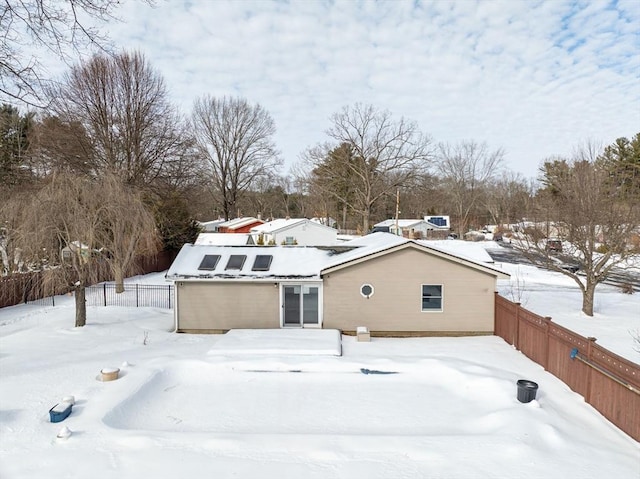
column 239, row 225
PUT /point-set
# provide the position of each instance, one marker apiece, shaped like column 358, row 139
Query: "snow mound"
column 290, row 342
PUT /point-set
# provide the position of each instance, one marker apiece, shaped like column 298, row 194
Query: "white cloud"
column 535, row 78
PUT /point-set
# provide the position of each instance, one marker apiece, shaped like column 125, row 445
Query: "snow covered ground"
column 616, row 320
column 189, row 406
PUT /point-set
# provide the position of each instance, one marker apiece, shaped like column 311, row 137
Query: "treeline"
column 111, row 115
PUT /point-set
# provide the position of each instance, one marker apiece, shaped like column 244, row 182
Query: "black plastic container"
column 526, row 390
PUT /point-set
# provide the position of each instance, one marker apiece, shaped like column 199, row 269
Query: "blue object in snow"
column 60, row 411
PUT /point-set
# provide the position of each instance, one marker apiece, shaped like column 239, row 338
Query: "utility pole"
column 397, row 210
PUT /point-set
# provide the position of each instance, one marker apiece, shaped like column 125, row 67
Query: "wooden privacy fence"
column 608, row 382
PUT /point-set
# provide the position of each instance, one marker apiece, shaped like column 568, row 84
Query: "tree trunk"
column 365, row 222
column 119, row 277
column 587, row 297
column 344, row 217
column 81, row 306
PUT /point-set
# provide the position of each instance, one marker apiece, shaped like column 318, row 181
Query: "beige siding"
column 223, row 306
column 468, row 295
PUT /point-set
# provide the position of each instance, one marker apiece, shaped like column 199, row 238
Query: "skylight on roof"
column 236, row 261
column 209, row 262
column 262, row 262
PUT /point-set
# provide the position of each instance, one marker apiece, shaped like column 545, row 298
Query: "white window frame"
column 441, row 286
column 370, row 294
column 320, row 302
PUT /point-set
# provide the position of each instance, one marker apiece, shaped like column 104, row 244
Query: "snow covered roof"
column 406, row 223
column 302, row 262
column 464, row 249
column 223, row 239
column 276, row 225
column 379, row 243
column 284, row 224
column 211, row 223
column 286, row 262
column 438, row 221
column 239, row 222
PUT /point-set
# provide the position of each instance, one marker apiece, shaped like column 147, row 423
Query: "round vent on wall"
column 366, row 290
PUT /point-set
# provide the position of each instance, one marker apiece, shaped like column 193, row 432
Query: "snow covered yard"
column 184, row 408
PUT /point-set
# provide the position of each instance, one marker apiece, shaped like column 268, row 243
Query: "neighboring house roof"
column 239, row 222
column 302, row 262
column 223, row 239
column 406, row 223
column 280, row 225
column 210, row 225
column 277, row 225
column 440, row 222
column 325, row 221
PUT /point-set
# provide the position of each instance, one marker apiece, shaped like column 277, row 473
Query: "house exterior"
column 409, row 228
column 439, row 222
column 210, row 226
column 239, row 225
column 294, row 231
column 390, row 284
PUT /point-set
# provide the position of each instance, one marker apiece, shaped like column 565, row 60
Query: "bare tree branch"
column 465, row 170
column 383, row 155
column 236, row 139
column 77, row 231
column 62, row 28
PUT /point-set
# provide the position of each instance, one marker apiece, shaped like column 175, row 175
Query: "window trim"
column 373, row 290
column 441, row 286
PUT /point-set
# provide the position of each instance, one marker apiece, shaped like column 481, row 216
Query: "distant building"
column 239, row 225
column 294, row 231
column 438, row 222
column 210, row 226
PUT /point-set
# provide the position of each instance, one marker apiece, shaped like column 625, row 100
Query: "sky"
column 534, row 78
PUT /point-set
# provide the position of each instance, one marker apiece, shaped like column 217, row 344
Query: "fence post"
column 547, row 325
column 169, row 295
column 104, row 293
column 590, row 341
column 136, row 295
column 516, row 339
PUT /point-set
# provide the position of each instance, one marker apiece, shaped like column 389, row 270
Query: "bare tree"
column 60, row 28
column 376, row 154
column 128, row 229
column 465, row 169
column 508, row 198
column 591, row 214
column 235, row 137
column 122, row 104
column 77, row 231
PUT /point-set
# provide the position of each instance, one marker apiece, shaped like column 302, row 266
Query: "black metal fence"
column 134, row 295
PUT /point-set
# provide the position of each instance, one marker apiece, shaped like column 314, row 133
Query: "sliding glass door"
column 300, row 305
